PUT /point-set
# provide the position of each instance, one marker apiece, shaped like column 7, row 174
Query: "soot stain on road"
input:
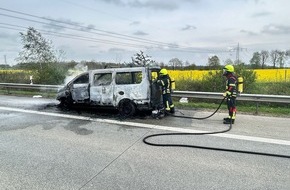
column 99, row 112
column 75, row 126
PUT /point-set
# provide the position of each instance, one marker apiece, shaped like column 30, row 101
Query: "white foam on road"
column 159, row 127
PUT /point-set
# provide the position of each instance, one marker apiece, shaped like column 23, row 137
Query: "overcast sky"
column 115, row 30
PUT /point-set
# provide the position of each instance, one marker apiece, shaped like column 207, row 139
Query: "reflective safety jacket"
column 231, row 86
column 165, row 82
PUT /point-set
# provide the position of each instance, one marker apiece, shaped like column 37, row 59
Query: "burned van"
column 125, row 89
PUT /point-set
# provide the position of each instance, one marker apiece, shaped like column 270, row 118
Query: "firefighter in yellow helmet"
column 231, row 93
column 165, row 82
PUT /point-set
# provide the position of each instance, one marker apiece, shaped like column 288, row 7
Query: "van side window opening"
column 82, row 79
column 129, row 78
column 101, row 79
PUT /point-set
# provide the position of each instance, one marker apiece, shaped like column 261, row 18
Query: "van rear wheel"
column 127, row 108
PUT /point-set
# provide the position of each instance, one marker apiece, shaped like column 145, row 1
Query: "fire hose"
column 145, row 139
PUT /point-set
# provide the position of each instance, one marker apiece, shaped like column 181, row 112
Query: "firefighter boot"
column 229, row 121
column 226, row 118
column 172, row 110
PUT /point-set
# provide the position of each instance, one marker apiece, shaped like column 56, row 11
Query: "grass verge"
column 254, row 108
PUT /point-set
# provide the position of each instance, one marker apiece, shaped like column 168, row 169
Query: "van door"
column 80, row 88
column 156, row 94
column 102, row 90
column 132, row 85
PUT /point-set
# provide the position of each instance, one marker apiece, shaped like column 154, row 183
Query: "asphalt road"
column 43, row 147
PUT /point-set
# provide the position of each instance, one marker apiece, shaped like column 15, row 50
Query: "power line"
column 96, row 10
column 71, row 36
column 90, row 39
column 106, row 33
column 39, row 22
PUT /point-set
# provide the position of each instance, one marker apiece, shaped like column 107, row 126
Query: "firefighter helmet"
column 163, row 72
column 228, row 69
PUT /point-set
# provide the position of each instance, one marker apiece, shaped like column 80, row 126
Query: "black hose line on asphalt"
column 205, row 133
column 201, row 118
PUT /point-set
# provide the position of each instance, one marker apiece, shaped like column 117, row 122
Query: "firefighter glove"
column 227, row 94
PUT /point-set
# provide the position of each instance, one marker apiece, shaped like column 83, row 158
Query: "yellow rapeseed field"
column 13, row 71
column 263, row 75
column 273, row 75
column 188, row 74
column 15, row 76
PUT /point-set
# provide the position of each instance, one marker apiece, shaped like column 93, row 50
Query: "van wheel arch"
column 127, row 107
column 66, row 102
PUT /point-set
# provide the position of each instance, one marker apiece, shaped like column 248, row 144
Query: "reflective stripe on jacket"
column 231, row 86
column 165, row 83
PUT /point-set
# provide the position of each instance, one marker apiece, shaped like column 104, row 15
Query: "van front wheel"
column 65, row 103
column 127, row 108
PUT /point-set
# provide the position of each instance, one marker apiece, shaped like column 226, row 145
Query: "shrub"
column 50, row 74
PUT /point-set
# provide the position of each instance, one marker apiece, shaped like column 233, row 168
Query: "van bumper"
column 143, row 105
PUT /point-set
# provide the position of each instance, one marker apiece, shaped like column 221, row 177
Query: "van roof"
column 126, row 69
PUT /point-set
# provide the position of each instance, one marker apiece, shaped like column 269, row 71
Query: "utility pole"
column 5, row 61
column 238, row 53
column 238, row 49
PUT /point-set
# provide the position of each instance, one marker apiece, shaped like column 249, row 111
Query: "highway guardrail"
column 182, row 94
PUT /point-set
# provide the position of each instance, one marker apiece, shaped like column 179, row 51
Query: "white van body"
column 126, row 89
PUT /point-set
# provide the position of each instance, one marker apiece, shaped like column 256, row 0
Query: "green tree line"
column 44, row 62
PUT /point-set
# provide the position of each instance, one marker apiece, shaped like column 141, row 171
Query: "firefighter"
column 231, row 93
column 165, row 82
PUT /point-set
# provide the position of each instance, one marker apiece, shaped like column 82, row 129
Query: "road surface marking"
column 159, row 127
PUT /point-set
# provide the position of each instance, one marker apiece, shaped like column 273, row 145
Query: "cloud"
column 4, row 35
column 140, row 33
column 152, row 4
column 157, row 5
column 276, row 29
column 135, row 23
column 188, row 27
column 58, row 25
column 8, row 38
column 89, row 27
column 169, row 46
column 261, row 14
column 62, row 24
column 250, row 33
column 118, row 50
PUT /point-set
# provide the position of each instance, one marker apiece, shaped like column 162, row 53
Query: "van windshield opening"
column 84, row 79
